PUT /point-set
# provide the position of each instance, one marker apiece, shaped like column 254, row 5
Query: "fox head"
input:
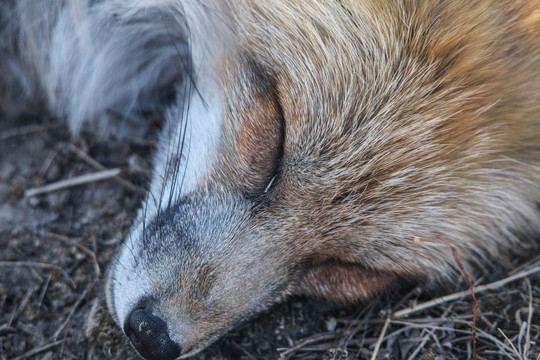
column 312, row 142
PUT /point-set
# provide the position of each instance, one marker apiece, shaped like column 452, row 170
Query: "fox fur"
column 306, row 143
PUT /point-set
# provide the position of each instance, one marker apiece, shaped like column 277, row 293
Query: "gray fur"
column 83, row 60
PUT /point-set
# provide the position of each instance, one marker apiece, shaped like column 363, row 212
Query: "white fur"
column 191, row 133
column 188, row 141
column 130, row 282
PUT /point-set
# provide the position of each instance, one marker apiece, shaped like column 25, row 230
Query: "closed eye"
column 253, row 132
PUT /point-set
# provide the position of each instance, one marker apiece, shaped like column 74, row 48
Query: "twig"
column 444, row 299
column 84, row 249
column 37, row 350
column 44, row 290
column 420, row 346
column 471, row 288
column 94, row 163
column 71, row 312
column 47, row 163
column 512, row 345
column 91, row 321
column 527, row 345
column 24, row 130
column 522, row 330
column 380, row 339
column 22, row 305
column 304, row 343
column 38, row 265
column 241, row 348
column 87, row 158
column 79, row 180
column 426, row 323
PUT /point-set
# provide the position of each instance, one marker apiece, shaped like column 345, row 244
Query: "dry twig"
column 478, row 289
column 22, row 305
column 421, row 345
column 84, row 249
column 78, row 180
column 39, row 265
column 286, row 352
column 527, row 345
column 68, row 319
column 471, row 288
column 97, row 165
column 242, row 349
column 38, row 350
column 510, row 342
column 380, row 339
column 24, row 130
column 469, row 281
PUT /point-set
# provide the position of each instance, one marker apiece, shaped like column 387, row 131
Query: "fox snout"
column 149, row 335
column 192, row 274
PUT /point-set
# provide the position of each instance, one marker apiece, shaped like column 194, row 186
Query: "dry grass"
column 56, row 246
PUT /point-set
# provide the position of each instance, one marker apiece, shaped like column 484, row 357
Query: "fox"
column 305, row 145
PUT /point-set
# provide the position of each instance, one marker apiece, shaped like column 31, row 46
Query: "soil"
column 55, row 248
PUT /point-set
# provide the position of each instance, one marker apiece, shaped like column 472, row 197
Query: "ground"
column 56, row 247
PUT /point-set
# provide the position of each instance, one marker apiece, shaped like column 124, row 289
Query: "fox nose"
column 148, row 333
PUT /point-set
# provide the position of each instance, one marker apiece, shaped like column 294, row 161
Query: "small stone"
column 331, row 324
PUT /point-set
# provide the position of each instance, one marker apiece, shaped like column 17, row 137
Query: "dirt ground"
column 55, row 248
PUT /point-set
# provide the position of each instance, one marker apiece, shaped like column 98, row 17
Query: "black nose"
column 149, row 335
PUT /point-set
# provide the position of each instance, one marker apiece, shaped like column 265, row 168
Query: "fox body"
column 306, row 144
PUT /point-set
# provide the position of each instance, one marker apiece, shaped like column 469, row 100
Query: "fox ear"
column 252, row 144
